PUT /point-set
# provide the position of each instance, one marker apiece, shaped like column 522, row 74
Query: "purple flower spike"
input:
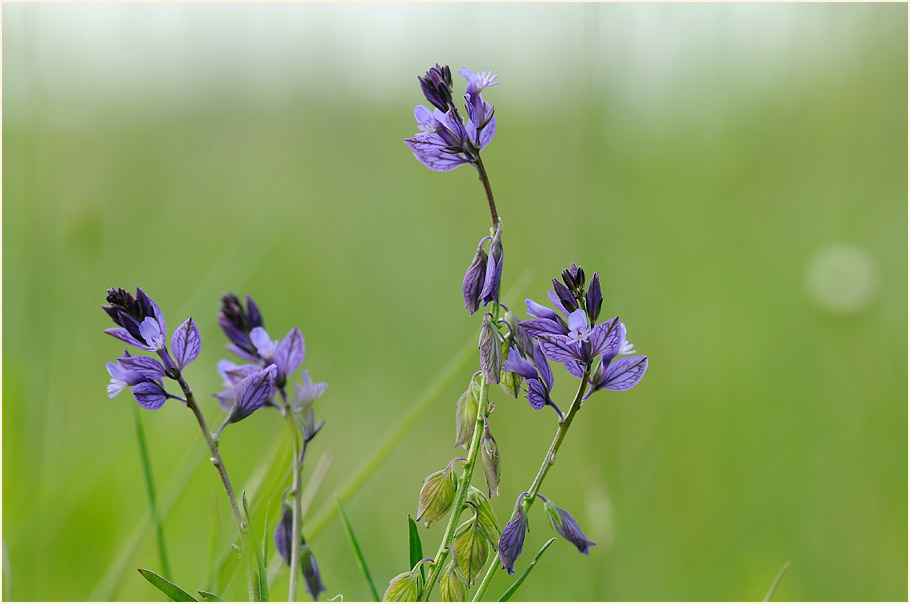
column 490, row 291
column 186, row 343
column 130, row 313
column 513, row 537
column 247, row 395
column 149, row 395
column 566, row 526
column 236, row 323
column 437, row 87
column 474, row 279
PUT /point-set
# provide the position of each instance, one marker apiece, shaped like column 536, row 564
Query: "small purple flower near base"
column 247, row 395
column 475, row 279
column 566, row 526
column 284, row 537
column 513, row 537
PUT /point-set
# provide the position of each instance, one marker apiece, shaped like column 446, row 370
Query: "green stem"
column 461, row 494
column 218, row 462
column 297, row 514
column 150, row 491
column 485, row 180
column 780, row 575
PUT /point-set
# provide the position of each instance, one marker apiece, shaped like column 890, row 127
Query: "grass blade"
column 511, row 591
column 262, row 582
column 7, row 576
column 174, row 593
column 150, row 491
column 415, row 549
column 208, row 596
column 780, row 575
column 356, row 547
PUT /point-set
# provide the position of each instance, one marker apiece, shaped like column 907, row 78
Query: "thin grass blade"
column 780, row 575
column 150, row 491
column 511, row 591
column 262, row 583
column 208, row 596
column 357, row 553
column 174, row 593
column 415, row 549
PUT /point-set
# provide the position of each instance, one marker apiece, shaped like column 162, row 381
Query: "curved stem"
column 297, row 513
column 461, row 494
column 482, row 173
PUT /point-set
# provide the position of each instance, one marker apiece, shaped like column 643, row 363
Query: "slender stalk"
column 550, row 457
column 218, row 462
column 485, row 180
column 150, row 491
column 461, row 494
column 297, row 514
column 777, row 580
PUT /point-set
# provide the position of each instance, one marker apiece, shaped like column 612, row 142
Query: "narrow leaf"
column 209, row 597
column 780, row 575
column 357, row 553
column 511, row 591
column 174, row 593
column 415, row 549
column 262, row 580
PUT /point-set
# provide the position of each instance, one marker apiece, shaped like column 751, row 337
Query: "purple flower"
column 539, row 379
column 490, row 292
column 284, row 537
column 142, row 375
column 566, row 526
column 237, row 323
column 512, row 539
column 247, row 395
column 138, row 318
column 445, row 141
column 287, row 355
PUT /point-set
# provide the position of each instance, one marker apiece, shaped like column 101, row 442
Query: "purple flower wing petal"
column 486, row 135
column 540, row 311
column 147, row 367
column 624, row 373
column 556, row 348
column 290, row 352
column 186, row 343
column 122, row 334
column 575, row 368
column 536, row 327
column 149, row 303
column 252, row 392
column 555, row 301
column 243, row 354
column 516, row 364
column 430, row 150
column 149, row 395
column 606, row 338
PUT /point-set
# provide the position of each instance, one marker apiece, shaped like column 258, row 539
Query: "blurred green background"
column 736, row 173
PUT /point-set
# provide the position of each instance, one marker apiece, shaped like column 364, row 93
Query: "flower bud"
column 310, row 572
column 474, row 279
column 490, row 291
column 594, row 298
column 465, row 417
column 566, row 526
column 490, row 345
column 513, row 537
column 403, row 588
column 489, row 458
column 437, row 495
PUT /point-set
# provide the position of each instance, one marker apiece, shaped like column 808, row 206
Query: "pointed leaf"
column 357, row 553
column 511, row 591
column 174, row 593
column 209, row 597
column 415, row 549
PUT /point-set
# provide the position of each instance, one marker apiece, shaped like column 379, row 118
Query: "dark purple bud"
column 437, row 87
column 490, row 346
column 574, row 278
column 149, row 395
column 284, row 533
column 490, row 291
column 474, row 279
column 566, row 526
column 236, row 323
column 565, row 297
column 594, row 299
column 513, row 537
column 186, row 343
column 310, row 572
column 129, row 313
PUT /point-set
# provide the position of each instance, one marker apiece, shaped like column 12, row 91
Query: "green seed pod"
column 403, row 588
column 489, row 457
column 437, row 495
column 452, row 586
column 510, row 383
column 486, row 518
column 465, row 418
column 470, row 549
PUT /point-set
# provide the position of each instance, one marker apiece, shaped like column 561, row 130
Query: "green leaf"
column 174, row 593
column 209, row 597
column 415, row 549
column 357, row 553
column 261, row 593
column 511, row 591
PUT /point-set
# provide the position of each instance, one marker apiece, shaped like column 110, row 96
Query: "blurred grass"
column 766, row 429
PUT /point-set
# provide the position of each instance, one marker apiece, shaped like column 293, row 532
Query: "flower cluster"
column 446, row 141
column 140, row 323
